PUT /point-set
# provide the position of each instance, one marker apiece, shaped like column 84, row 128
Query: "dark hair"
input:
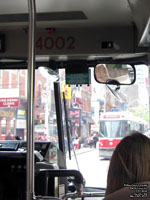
column 130, row 162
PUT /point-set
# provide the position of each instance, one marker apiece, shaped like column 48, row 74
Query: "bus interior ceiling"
column 90, row 30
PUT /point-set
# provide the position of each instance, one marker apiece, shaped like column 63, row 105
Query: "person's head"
column 102, row 72
column 96, row 133
column 8, row 133
column 130, row 162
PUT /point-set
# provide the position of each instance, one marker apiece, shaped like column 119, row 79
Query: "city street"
column 92, row 168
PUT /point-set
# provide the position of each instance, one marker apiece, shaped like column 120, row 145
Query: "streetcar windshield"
column 112, row 129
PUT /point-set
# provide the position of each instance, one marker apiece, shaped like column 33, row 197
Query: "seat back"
column 138, row 191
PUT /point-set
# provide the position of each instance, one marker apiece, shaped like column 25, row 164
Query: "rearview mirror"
column 115, row 74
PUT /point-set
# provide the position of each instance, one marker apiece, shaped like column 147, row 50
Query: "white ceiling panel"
column 98, row 12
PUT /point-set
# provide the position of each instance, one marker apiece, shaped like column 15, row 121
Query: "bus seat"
column 138, row 191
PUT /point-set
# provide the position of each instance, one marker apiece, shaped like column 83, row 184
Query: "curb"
column 81, row 151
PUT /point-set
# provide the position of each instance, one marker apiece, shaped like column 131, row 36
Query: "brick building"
column 13, row 101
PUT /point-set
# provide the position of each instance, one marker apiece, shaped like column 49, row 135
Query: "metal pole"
column 30, row 100
column 149, row 84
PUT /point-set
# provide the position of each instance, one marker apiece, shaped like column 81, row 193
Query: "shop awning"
column 89, row 120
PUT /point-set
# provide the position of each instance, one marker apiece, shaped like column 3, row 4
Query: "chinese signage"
column 45, row 96
column 67, row 90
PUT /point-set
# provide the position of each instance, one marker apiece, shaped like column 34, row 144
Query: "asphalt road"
column 93, row 169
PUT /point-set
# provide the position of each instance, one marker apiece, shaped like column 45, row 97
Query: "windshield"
column 103, row 121
column 13, row 107
column 112, row 129
column 92, row 117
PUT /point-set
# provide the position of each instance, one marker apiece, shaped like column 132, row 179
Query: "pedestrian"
column 95, row 139
column 8, row 136
column 76, row 143
column 91, row 141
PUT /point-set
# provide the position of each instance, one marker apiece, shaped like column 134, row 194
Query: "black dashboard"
column 13, row 167
column 18, row 149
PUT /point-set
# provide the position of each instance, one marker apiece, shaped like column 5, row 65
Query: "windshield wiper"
column 69, row 133
column 102, row 134
column 67, row 126
column 114, row 93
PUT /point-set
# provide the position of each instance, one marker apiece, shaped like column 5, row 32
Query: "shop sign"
column 77, row 125
column 67, row 91
column 21, row 114
column 45, row 96
column 74, row 114
column 21, row 123
column 9, row 102
column 9, row 98
column 7, row 114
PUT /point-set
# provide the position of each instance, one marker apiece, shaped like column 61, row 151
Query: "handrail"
column 83, row 195
column 30, row 100
column 78, row 181
column 51, row 173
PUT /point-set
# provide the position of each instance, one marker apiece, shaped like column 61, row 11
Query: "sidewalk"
column 81, row 151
